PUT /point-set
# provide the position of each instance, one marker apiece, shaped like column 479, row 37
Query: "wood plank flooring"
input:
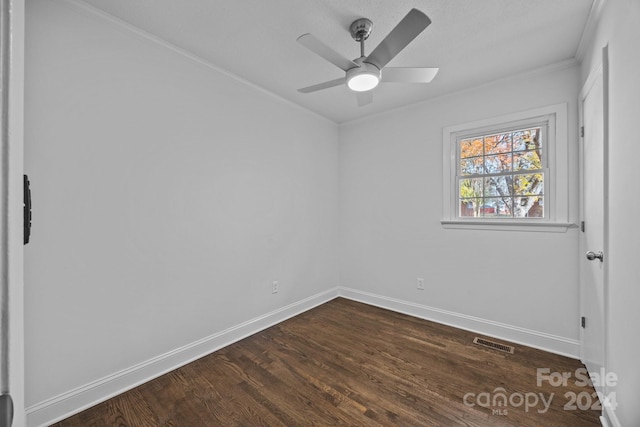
column 349, row 364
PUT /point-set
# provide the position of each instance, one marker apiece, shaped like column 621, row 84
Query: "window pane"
column 527, row 160
column 529, row 207
column 527, row 139
column 488, row 208
column 498, row 186
column 468, row 208
column 497, row 207
column 537, row 209
column 471, row 187
column 471, row 148
column 471, row 166
column 528, row 184
column 498, row 164
column 495, row 144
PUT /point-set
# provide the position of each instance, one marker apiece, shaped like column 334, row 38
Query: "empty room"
column 320, row 212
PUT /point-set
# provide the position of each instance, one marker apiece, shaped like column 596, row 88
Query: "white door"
column 592, row 237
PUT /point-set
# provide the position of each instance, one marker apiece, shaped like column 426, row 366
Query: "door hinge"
column 582, row 131
column 583, row 322
column 582, row 226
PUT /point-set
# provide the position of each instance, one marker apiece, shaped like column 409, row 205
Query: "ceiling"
column 471, row 41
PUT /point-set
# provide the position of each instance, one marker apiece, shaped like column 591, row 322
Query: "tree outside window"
column 501, row 175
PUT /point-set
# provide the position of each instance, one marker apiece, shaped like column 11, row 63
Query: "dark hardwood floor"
column 350, row 364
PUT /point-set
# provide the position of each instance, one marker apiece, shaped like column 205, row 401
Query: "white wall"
column 391, row 207
column 618, row 27
column 167, row 197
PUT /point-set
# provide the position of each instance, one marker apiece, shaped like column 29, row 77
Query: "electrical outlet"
column 421, row 283
column 274, row 287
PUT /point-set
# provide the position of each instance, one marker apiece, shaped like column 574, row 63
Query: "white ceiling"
column 472, row 41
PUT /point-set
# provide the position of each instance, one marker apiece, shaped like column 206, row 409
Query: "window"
column 508, row 172
column 501, row 175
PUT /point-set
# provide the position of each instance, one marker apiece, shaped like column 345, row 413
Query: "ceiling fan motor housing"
column 360, row 29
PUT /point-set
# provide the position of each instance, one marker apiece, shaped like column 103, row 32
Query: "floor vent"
column 494, row 345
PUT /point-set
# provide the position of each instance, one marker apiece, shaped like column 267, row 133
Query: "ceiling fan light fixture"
column 363, row 78
column 363, row 82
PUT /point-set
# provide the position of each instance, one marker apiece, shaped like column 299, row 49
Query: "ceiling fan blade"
column 408, row 75
column 407, row 30
column 316, row 46
column 325, row 85
column 365, row 98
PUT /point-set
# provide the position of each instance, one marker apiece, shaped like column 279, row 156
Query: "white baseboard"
column 543, row 341
column 76, row 400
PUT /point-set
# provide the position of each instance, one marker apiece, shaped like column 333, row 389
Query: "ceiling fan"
column 364, row 73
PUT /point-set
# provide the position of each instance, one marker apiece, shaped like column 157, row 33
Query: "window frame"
column 555, row 167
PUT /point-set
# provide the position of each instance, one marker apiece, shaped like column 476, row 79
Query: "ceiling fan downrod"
column 360, row 30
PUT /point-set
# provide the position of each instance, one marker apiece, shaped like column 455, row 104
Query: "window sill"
column 551, row 227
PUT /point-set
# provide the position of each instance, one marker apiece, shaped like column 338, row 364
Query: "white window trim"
column 556, row 191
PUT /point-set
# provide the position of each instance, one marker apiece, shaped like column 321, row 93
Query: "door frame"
column 11, row 201
column 600, row 71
